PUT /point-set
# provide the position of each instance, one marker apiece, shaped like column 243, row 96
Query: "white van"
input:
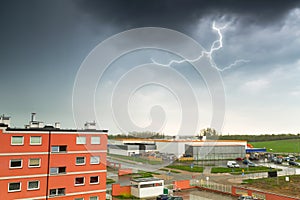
column 232, row 164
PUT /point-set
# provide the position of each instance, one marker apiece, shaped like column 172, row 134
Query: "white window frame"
column 36, row 143
column 34, row 166
column 93, row 163
column 80, row 163
column 94, row 197
column 33, row 188
column 57, row 170
column 11, row 140
column 80, row 141
column 58, row 151
column 95, row 182
column 56, row 192
column 81, row 198
column 16, row 160
column 79, row 184
column 93, row 142
column 54, row 151
column 15, row 190
column 53, row 168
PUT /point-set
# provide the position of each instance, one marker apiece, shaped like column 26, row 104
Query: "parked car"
column 253, row 158
column 175, row 198
column 294, row 163
column 239, row 159
column 232, row 164
column 289, row 158
column 278, row 161
column 162, row 197
column 246, row 197
column 251, row 164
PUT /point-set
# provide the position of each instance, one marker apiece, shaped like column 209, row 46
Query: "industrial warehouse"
column 197, row 149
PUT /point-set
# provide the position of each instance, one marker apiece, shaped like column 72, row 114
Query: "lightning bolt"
column 216, row 45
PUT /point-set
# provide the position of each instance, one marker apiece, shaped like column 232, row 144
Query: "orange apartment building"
column 46, row 162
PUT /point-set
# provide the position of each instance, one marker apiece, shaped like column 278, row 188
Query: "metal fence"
column 212, row 186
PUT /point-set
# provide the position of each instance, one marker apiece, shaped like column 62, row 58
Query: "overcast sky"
column 43, row 44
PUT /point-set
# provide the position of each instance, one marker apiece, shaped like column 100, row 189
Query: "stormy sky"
column 44, row 43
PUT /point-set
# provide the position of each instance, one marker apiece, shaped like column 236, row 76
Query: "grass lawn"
column 136, row 159
column 126, row 197
column 277, row 185
column 173, row 171
column 110, row 181
column 289, row 146
column 143, row 174
column 239, row 170
column 186, row 168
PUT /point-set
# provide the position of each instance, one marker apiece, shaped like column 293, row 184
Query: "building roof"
column 176, row 140
column 146, row 179
column 256, row 150
column 52, row 129
column 217, row 144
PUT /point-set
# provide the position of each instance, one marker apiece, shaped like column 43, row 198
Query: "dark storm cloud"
column 179, row 13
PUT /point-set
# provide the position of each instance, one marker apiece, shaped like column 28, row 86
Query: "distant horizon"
column 166, row 134
column 169, row 66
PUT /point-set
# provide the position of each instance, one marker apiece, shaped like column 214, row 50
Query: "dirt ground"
column 278, row 185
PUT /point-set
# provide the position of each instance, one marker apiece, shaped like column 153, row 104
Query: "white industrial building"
column 199, row 149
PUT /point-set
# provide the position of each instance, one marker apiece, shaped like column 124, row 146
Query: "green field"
column 239, row 170
column 289, row 146
column 135, row 159
column 186, row 168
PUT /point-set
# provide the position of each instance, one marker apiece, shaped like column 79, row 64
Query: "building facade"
column 218, row 151
column 49, row 162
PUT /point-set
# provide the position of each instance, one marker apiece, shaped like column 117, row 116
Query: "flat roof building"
column 48, row 162
column 147, row 187
column 206, row 149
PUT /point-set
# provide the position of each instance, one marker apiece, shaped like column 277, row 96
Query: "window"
column 80, row 140
column 79, row 199
column 33, row 185
column 95, row 140
column 57, row 170
column 57, row 192
column 79, row 181
column 15, row 163
column 80, row 160
column 94, row 198
column 34, row 162
column 14, row 187
column 17, row 140
column 95, row 160
column 35, row 140
column 58, row 149
column 94, row 179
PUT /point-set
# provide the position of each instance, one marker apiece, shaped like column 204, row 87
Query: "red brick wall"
column 120, row 190
column 182, row 184
column 124, row 171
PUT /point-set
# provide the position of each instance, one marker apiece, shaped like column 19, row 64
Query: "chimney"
column 90, row 125
column 33, row 117
column 57, row 125
column 5, row 120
